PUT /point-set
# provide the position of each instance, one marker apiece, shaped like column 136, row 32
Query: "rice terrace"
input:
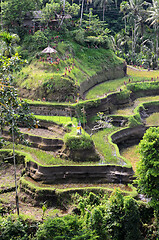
column 79, row 121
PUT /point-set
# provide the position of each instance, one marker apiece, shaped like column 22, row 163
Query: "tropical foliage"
column 147, row 171
column 115, row 217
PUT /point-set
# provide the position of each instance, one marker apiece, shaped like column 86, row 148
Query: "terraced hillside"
column 76, row 175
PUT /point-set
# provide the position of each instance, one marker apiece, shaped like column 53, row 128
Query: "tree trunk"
column 15, row 175
column 157, row 44
column 135, row 36
column 132, row 41
column 1, row 17
column 81, row 12
column 103, row 12
column 125, row 23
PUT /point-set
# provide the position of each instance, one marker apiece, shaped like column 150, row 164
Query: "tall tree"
column 53, row 8
column 121, row 41
column 147, row 170
column 154, row 20
column 104, row 4
column 124, row 6
column 14, row 11
column 13, row 111
column 82, row 8
column 133, row 10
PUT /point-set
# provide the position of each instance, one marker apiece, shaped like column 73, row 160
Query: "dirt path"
column 138, row 69
column 41, row 132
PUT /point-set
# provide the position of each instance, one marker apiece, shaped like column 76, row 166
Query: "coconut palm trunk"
column 81, row 12
column 103, row 12
column 15, row 173
column 157, row 44
column 154, row 19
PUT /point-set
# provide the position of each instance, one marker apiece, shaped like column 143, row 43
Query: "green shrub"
column 68, row 227
column 123, row 95
column 80, row 142
column 134, row 120
column 40, row 40
column 97, row 222
column 136, row 87
column 146, row 212
column 11, row 229
column 93, row 199
column 131, row 219
column 79, row 36
column 114, row 216
column 122, row 217
column 34, row 42
column 87, row 201
column 60, row 84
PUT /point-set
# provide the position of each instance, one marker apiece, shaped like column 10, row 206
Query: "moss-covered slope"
column 60, row 77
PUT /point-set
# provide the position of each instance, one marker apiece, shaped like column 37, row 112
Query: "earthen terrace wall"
column 128, row 136
column 47, row 144
column 75, row 174
column 106, row 104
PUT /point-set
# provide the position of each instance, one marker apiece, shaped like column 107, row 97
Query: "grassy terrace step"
column 112, row 86
column 39, row 102
column 139, row 89
column 59, row 189
column 130, row 110
column 47, row 158
column 40, row 79
column 103, row 146
column 153, row 120
column 58, row 119
column 131, row 153
column 85, row 62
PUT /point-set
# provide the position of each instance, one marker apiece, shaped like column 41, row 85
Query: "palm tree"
column 82, row 9
column 122, row 41
column 81, row 12
column 124, row 6
column 103, row 4
column 142, row 18
column 133, row 11
column 154, row 20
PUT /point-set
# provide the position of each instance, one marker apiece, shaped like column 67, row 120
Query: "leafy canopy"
column 148, row 168
column 13, row 110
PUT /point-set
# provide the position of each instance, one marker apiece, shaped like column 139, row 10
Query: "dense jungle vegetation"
column 130, row 27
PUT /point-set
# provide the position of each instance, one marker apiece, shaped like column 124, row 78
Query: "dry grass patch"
column 7, row 175
column 153, row 120
column 132, row 154
column 142, row 73
column 124, row 112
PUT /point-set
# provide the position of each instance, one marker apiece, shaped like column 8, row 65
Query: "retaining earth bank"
column 76, row 174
